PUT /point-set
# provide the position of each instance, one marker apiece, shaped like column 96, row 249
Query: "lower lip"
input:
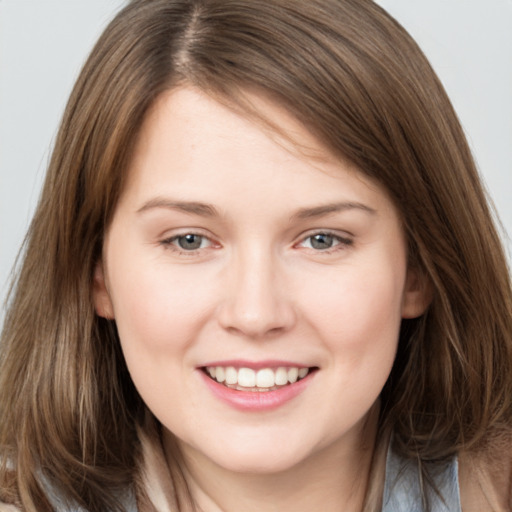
column 256, row 400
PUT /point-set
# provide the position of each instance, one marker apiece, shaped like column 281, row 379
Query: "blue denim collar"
column 402, row 488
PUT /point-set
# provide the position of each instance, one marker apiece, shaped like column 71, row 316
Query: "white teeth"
column 281, row 376
column 293, row 375
column 265, row 379
column 220, row 374
column 246, row 378
column 231, row 375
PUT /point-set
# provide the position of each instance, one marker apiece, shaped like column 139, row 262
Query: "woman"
column 262, row 275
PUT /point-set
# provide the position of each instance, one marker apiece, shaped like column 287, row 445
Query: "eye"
column 322, row 241
column 188, row 242
column 325, row 241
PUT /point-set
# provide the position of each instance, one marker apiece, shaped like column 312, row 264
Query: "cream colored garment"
column 156, row 477
column 8, row 508
column 164, row 487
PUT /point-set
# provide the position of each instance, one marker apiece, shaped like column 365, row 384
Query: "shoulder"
column 485, row 477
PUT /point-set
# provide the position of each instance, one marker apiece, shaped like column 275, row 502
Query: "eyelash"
column 342, row 243
column 169, row 244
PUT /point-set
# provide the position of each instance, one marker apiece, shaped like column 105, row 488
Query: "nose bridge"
column 256, row 302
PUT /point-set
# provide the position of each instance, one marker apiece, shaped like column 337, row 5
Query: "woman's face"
column 257, row 288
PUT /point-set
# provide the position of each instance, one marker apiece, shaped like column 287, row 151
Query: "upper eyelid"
column 342, row 235
column 344, row 242
column 170, row 239
column 176, row 233
column 168, row 245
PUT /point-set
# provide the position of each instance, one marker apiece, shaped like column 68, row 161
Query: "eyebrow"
column 208, row 210
column 327, row 209
column 193, row 207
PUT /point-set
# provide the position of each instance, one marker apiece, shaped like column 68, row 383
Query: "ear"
column 101, row 297
column 417, row 294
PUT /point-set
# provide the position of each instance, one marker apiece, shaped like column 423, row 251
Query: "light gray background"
column 44, row 42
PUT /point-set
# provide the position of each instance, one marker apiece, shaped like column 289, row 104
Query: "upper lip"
column 256, row 365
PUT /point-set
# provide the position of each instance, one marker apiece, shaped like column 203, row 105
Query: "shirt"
column 402, row 487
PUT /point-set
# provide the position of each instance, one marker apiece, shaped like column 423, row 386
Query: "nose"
column 256, row 303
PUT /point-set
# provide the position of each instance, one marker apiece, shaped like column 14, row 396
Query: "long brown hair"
column 353, row 76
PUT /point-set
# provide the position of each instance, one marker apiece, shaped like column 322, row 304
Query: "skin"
column 256, row 289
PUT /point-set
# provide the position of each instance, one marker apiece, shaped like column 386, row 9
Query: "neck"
column 332, row 479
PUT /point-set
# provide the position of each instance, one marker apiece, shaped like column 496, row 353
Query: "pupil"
column 321, row 241
column 189, row 242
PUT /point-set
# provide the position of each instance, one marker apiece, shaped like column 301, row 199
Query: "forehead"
column 199, row 113
column 192, row 144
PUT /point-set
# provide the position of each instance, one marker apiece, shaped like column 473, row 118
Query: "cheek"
column 358, row 319
column 357, row 307
column 159, row 315
column 159, row 306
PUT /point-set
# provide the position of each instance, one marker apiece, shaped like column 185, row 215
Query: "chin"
column 257, row 464
column 253, row 457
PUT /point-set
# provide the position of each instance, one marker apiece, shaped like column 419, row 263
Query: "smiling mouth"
column 262, row 380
